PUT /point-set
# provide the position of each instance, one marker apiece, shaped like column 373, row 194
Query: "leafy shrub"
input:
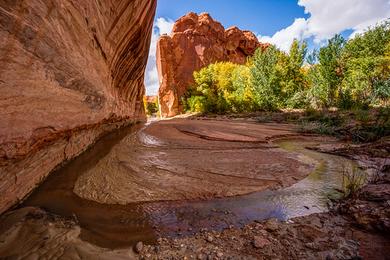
column 381, row 93
column 362, row 116
column 353, row 180
column 374, row 131
column 317, row 128
column 298, row 100
column 197, row 104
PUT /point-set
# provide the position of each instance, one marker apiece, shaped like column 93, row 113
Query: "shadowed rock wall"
column 70, row 71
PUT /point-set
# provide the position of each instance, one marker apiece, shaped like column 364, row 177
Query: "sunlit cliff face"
column 196, row 41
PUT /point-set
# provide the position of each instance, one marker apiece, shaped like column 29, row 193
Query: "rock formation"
column 196, row 41
column 69, row 72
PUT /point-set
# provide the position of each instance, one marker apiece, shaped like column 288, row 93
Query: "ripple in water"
column 116, row 226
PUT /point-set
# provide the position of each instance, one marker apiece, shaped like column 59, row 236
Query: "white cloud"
column 164, row 26
column 285, row 37
column 329, row 17
column 161, row 26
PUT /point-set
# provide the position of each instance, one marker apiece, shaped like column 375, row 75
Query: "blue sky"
column 275, row 21
column 260, row 16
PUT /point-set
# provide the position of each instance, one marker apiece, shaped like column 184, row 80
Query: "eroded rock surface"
column 196, row 41
column 69, row 71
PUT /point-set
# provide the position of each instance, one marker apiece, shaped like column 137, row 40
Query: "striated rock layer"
column 69, row 71
column 196, row 41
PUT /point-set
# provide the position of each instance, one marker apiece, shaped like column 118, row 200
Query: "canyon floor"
column 206, row 188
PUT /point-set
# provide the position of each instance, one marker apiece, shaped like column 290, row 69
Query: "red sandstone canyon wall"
column 195, row 42
column 69, row 71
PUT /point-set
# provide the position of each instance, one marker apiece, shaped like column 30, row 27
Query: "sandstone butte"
column 195, row 42
column 69, row 72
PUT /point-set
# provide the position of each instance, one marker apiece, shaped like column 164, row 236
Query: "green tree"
column 318, row 92
column 219, row 85
column 367, row 65
column 291, row 73
column 241, row 97
column 342, row 73
column 330, row 69
column 265, row 80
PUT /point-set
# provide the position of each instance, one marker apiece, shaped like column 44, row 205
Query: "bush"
column 298, row 100
column 362, row 116
column 353, row 180
column 197, row 104
column 317, row 128
column 381, row 93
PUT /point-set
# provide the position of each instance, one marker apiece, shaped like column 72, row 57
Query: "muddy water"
column 116, row 226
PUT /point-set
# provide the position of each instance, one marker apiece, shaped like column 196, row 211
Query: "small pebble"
column 209, row 239
column 138, row 247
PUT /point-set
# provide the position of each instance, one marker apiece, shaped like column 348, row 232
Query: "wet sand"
column 172, row 179
column 188, row 159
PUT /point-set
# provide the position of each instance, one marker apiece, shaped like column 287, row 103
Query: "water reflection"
column 117, row 226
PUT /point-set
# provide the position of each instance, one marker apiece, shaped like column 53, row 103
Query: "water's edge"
column 116, row 226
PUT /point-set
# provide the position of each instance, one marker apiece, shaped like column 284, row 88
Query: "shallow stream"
column 116, row 226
